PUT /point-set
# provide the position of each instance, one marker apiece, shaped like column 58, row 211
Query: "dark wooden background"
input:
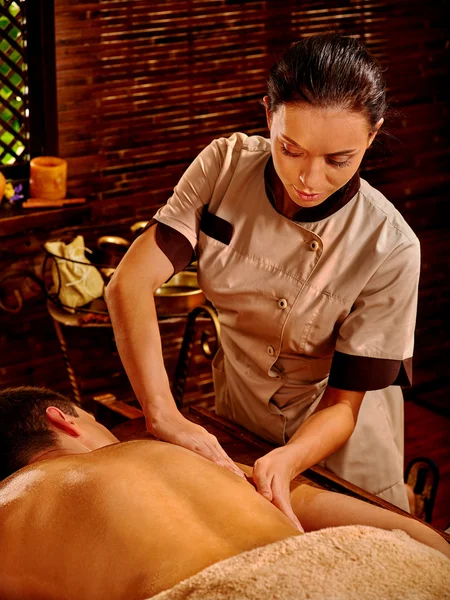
column 143, row 86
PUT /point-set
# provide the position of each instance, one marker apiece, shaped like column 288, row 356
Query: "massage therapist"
column 313, row 274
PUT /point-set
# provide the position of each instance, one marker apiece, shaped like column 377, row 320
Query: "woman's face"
column 315, row 150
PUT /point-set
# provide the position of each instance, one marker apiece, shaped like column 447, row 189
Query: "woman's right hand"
column 176, row 429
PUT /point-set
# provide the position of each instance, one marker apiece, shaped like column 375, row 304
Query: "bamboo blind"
column 144, row 85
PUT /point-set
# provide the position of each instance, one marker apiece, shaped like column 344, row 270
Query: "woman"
column 312, row 271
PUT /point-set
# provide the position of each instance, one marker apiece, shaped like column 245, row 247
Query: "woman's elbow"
column 129, row 289
column 115, row 291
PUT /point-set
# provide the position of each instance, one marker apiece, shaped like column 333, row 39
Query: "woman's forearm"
column 327, row 429
column 318, row 509
column 138, row 342
column 321, row 434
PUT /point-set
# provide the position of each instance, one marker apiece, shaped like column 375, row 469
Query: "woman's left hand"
column 272, row 475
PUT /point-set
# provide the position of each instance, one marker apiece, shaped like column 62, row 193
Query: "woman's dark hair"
column 329, row 71
column 24, row 428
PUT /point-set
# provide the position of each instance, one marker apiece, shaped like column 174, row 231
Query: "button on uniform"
column 314, row 245
column 270, row 350
column 282, row 303
column 274, row 374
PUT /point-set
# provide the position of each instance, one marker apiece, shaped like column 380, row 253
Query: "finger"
column 235, row 470
column 213, row 451
column 231, row 466
column 282, row 501
column 286, row 509
column 217, row 448
column 221, row 457
column 262, row 480
column 263, row 484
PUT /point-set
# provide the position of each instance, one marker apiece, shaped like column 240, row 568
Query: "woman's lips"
column 306, row 197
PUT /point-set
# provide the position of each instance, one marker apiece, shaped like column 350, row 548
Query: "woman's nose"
column 311, row 177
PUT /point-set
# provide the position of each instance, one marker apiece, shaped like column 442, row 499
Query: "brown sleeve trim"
column 360, row 373
column 174, row 244
column 216, row 227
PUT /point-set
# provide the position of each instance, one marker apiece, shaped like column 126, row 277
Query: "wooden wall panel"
column 144, row 85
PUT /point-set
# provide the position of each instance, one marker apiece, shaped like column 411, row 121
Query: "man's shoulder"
column 54, row 495
column 73, row 481
column 47, row 482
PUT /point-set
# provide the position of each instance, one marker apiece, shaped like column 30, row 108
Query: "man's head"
column 38, row 423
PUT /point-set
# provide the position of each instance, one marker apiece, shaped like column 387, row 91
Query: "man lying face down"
column 86, row 517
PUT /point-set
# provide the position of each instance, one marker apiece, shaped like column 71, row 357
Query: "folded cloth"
column 78, row 283
column 354, row 562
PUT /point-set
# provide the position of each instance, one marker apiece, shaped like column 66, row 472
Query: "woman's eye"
column 286, row 152
column 337, row 163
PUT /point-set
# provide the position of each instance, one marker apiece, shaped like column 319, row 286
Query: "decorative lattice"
column 13, row 83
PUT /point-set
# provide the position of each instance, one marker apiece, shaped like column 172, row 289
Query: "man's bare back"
column 125, row 521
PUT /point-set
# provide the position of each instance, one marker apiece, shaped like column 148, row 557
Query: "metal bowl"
column 137, row 227
column 113, row 242
column 179, row 295
column 111, row 250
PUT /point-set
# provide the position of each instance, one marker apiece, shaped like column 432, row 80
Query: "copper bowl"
column 179, row 295
column 113, row 242
column 111, row 250
column 137, row 227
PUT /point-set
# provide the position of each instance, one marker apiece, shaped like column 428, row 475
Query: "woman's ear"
column 65, row 423
column 373, row 135
column 268, row 113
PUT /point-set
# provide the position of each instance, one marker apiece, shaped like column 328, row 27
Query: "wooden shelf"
column 19, row 221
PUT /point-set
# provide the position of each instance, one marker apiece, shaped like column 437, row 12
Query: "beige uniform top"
column 327, row 297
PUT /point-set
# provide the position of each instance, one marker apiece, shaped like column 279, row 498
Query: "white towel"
column 354, row 562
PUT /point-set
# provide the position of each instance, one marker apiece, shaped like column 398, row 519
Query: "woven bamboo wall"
column 144, row 85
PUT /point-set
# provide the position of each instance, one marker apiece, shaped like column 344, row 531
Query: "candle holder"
column 48, row 175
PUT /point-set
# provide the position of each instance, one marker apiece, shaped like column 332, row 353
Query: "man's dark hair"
column 24, row 429
column 329, row 71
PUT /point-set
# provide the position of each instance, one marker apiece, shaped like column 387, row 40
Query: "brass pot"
column 111, row 249
column 179, row 295
column 137, row 227
column 113, row 243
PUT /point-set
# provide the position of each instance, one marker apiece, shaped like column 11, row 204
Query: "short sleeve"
column 375, row 342
column 184, row 208
column 173, row 244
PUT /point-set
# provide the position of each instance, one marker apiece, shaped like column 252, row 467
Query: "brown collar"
column 309, row 215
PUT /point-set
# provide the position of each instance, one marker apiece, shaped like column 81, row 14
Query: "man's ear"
column 268, row 113
column 59, row 420
column 372, row 136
